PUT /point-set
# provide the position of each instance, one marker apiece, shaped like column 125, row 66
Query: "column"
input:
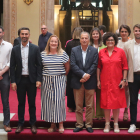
column 6, row 19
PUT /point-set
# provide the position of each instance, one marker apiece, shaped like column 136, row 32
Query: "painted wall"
column 136, row 11
column 28, row 16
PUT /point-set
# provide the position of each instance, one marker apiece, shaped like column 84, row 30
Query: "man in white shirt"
column 5, row 52
column 132, row 50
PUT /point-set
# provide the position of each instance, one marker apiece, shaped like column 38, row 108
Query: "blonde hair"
column 77, row 32
column 59, row 49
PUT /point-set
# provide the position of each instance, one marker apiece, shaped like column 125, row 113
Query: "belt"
column 25, row 75
column 137, row 73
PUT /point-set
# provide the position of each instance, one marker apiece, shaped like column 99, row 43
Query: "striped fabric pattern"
column 53, row 87
column 53, row 98
column 54, row 64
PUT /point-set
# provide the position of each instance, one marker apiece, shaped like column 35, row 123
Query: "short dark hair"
column 137, row 25
column 102, row 27
column 109, row 34
column 24, row 28
column 2, row 28
column 126, row 27
column 19, row 31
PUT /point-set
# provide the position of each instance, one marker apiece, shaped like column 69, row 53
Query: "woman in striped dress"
column 55, row 63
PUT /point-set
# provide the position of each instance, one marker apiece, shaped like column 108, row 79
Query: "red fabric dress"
column 112, row 97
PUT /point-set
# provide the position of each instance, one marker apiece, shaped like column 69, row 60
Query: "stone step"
column 1, row 119
column 3, row 135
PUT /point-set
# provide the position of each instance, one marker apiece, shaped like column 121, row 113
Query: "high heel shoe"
column 61, row 130
column 107, row 130
column 52, row 128
column 116, row 130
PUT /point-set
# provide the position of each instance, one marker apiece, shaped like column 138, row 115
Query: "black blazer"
column 78, row 69
column 34, row 64
column 17, row 41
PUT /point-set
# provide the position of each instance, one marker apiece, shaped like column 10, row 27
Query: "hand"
column 1, row 77
column 82, row 80
column 1, row 73
column 123, row 83
column 86, row 76
column 14, row 86
column 98, row 84
column 38, row 84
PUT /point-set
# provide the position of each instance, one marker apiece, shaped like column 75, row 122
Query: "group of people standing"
column 115, row 73
column 93, row 63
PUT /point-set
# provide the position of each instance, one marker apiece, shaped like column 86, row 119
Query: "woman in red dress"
column 111, row 79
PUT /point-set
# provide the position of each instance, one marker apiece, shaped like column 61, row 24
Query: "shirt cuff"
column 84, row 75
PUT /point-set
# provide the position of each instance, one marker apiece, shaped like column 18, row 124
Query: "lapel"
column 87, row 55
column 80, row 54
column 132, row 48
column 29, row 53
column 19, row 53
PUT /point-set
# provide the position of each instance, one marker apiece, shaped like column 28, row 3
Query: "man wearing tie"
column 84, row 60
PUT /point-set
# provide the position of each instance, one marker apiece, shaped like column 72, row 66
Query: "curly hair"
column 109, row 34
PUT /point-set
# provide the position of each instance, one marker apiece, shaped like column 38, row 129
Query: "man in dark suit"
column 26, row 76
column 84, row 60
column 17, row 40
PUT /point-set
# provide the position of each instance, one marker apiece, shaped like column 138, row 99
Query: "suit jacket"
column 34, row 64
column 78, row 69
column 17, row 41
column 129, row 51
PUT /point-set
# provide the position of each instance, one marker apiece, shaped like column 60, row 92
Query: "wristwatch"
column 124, row 80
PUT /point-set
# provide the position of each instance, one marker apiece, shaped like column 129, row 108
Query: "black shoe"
column 33, row 129
column 89, row 129
column 19, row 129
column 77, row 129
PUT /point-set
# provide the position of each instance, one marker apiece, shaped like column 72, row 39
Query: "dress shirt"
column 84, row 53
column 24, row 55
column 5, row 54
column 136, row 60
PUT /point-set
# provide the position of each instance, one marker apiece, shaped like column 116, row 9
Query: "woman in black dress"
column 69, row 91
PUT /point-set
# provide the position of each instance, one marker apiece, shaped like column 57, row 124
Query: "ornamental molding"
column 28, row 2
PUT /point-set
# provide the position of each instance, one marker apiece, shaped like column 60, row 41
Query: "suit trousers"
column 89, row 101
column 134, row 89
column 4, row 88
column 24, row 86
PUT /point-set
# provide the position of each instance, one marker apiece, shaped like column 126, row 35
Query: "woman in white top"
column 125, row 32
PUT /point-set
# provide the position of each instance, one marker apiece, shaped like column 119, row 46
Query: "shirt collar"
column 83, row 50
column 3, row 42
column 115, row 49
column 136, row 42
column 25, row 46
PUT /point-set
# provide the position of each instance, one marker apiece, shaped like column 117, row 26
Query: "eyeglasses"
column 111, row 40
column 43, row 28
